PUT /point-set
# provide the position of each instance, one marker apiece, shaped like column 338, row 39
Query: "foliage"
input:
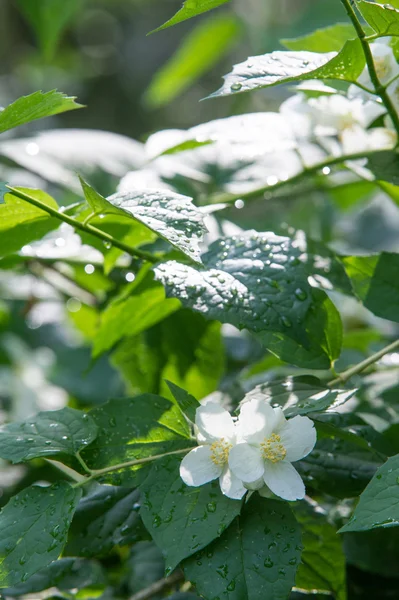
column 213, row 312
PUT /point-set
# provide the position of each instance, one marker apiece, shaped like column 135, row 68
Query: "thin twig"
column 343, row 377
column 158, row 586
column 380, row 89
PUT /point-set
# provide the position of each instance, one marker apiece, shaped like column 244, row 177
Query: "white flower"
column 385, row 64
column 216, row 434
column 267, row 446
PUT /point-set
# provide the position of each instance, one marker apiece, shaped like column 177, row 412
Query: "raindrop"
column 235, row 87
column 89, row 269
column 268, row 563
column 292, row 561
column 231, row 586
column 211, row 507
column 107, row 245
column 47, row 443
column 286, row 322
column 300, row 294
column 32, row 149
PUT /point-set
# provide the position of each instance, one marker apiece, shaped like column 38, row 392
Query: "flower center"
column 220, row 452
column 273, row 449
column 381, row 66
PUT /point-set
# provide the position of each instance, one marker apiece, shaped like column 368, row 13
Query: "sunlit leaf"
column 191, row 8
column 328, row 39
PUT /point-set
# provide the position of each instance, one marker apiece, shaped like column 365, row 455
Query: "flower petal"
column 298, row 437
column 257, row 420
column 246, row 462
column 214, row 422
column 197, row 467
column 231, row 486
column 284, row 480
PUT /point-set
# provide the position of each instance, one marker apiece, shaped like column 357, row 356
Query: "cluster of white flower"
column 252, row 452
column 340, row 122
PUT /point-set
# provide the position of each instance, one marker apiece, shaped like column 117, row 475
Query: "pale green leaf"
column 35, row 106
column 284, row 67
column 204, row 46
column 327, row 39
column 383, row 18
column 191, row 8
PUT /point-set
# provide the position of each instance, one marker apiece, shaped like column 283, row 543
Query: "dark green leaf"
column 65, row 574
column 21, row 222
column 338, row 467
column 36, row 106
column 300, row 395
column 183, row 519
column 257, row 281
column 383, row 18
column 191, row 8
column 379, row 503
column 256, row 558
column 34, row 526
column 65, row 431
column 106, row 517
column 188, row 404
column 133, row 428
column 376, row 551
column 204, row 46
column 375, row 279
column 284, row 67
column 322, row 565
column 328, row 39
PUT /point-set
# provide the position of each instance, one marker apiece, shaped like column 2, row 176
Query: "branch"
column 307, row 172
column 380, row 89
column 158, row 586
column 87, row 228
column 343, row 377
column 94, row 473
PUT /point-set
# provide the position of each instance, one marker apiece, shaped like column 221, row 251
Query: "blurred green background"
column 106, row 59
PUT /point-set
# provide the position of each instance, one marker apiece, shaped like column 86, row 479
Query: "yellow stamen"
column 381, row 66
column 220, row 452
column 272, row 449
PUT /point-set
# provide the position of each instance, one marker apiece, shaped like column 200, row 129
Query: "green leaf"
column 383, row 18
column 65, row 574
column 34, row 526
column 257, row 281
column 256, row 558
column 338, row 467
column 327, row 39
column 284, row 67
column 376, row 550
column 187, row 403
column 106, row 517
column 379, row 503
column 300, row 395
column 35, row 106
column 199, row 51
column 182, row 519
column 21, row 222
column 322, row 566
column 133, row 428
column 191, row 8
column 130, row 316
column 49, row 18
column 65, row 431
column 376, row 283
column 171, row 216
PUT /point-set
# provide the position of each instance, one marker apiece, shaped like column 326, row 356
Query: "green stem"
column 380, row 89
column 94, row 473
column 87, row 228
column 343, row 377
column 83, row 464
column 307, row 172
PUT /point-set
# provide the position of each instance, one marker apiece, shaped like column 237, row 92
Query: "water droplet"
column 292, row 561
column 231, row 586
column 211, row 507
column 268, row 563
column 379, row 476
column 286, row 322
column 48, row 443
column 235, row 87
column 22, row 560
column 112, row 422
column 107, row 245
column 300, row 294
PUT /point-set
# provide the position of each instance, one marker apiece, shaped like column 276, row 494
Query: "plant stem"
column 158, row 586
column 380, row 89
column 94, row 473
column 343, row 377
column 307, row 172
column 74, row 475
column 87, row 228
